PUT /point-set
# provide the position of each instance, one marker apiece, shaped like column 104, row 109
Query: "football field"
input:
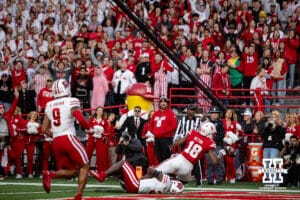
column 31, row 189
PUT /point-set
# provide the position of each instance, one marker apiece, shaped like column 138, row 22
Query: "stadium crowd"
column 98, row 49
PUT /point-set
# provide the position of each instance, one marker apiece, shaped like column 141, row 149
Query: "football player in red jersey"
column 197, row 144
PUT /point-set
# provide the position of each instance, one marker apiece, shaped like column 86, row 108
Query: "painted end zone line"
column 186, row 188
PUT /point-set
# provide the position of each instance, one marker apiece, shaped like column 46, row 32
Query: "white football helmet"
column 208, row 129
column 61, row 88
column 176, row 187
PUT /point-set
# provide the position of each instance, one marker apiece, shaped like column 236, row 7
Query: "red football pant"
column 69, row 152
column 132, row 183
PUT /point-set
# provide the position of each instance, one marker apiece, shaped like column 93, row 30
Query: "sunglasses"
column 137, row 110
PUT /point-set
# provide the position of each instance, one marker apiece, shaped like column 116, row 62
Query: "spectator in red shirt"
column 250, row 64
column 18, row 74
column 163, row 125
column 45, row 95
column 221, row 84
column 291, row 55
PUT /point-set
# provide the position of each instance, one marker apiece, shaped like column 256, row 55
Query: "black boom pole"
column 151, row 35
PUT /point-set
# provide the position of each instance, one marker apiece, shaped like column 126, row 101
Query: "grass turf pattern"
column 30, row 189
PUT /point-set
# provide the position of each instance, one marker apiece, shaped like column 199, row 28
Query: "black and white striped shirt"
column 185, row 125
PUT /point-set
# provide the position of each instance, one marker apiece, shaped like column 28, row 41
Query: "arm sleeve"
column 81, row 119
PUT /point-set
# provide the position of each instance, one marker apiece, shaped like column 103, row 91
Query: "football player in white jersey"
column 154, row 183
column 69, row 153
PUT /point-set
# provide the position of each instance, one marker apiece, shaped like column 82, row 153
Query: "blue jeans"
column 267, row 105
column 6, row 105
column 279, row 85
column 212, row 171
column 291, row 75
column 271, row 153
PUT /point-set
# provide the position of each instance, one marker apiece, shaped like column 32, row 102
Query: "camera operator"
column 132, row 149
column 291, row 156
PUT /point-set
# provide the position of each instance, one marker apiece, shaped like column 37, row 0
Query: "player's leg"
column 168, row 166
column 100, row 176
column 78, row 155
column 132, row 183
column 60, row 144
column 82, row 179
column 46, row 154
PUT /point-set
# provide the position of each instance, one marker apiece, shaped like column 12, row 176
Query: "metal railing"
column 176, row 98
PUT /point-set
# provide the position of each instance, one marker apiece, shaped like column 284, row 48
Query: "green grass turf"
column 30, row 189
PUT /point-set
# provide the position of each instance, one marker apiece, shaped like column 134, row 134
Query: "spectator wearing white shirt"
column 122, row 80
column 259, row 84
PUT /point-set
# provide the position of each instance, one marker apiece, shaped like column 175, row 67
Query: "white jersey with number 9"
column 59, row 113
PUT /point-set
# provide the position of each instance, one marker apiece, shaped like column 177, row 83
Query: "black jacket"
column 220, row 132
column 6, row 91
column 143, row 72
column 133, row 152
column 273, row 137
column 134, row 132
column 26, row 101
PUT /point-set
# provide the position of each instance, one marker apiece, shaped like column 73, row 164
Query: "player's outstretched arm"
column 179, row 141
column 76, row 112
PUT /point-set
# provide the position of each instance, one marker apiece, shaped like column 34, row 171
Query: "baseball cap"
column 214, row 109
column 217, row 48
column 125, row 133
column 191, row 107
column 163, row 98
column 99, row 53
column 195, row 14
column 49, row 79
column 4, row 75
column 247, row 112
column 145, row 55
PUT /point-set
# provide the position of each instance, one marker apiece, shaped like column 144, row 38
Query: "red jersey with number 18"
column 196, row 146
column 60, row 114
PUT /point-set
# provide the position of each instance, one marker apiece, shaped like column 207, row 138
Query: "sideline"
column 186, row 188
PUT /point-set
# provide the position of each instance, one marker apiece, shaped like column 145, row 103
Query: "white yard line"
column 61, row 184
column 186, row 189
